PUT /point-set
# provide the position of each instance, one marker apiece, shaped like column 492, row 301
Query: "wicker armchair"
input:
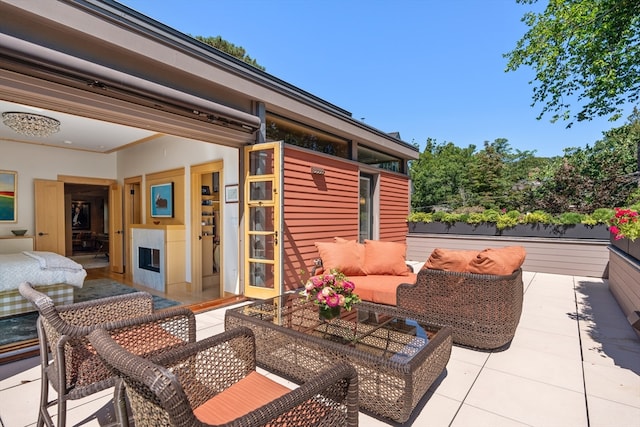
column 214, row 382
column 75, row 371
column 483, row 310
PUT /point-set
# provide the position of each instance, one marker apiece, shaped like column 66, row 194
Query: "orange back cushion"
column 385, row 258
column 450, row 259
column 347, row 257
column 498, row 261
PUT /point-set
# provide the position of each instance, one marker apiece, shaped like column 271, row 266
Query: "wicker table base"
column 397, row 359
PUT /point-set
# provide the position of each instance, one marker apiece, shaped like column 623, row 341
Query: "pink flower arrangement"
column 331, row 290
column 625, row 224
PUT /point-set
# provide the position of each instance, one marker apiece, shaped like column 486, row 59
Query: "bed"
column 49, row 272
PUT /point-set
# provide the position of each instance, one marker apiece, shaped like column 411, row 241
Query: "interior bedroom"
column 87, row 234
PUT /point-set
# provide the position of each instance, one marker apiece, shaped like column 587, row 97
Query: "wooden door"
column 116, row 231
column 262, row 208
column 49, row 216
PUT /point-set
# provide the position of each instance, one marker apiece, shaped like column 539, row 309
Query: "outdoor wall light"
column 317, row 171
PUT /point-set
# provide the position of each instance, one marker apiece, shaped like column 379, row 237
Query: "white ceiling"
column 75, row 132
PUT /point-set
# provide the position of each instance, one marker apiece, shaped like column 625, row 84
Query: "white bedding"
column 39, row 268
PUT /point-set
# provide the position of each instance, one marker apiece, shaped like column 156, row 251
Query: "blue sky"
column 424, row 68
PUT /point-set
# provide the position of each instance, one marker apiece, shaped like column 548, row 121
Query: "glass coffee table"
column 397, row 358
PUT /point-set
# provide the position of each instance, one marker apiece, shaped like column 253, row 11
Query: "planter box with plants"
column 514, row 224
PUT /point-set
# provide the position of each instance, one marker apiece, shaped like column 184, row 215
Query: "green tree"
column 589, row 49
column 598, row 176
column 233, row 50
column 500, row 175
column 439, row 176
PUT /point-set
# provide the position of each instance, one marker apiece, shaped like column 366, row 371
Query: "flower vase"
column 328, row 313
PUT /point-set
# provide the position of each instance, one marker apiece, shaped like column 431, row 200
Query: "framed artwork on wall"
column 8, row 196
column 80, row 215
column 231, row 193
column 162, row 200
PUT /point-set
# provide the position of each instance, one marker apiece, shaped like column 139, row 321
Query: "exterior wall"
column 555, row 256
column 394, row 207
column 316, row 208
column 319, row 207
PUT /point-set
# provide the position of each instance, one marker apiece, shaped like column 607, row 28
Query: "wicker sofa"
column 483, row 309
column 478, row 293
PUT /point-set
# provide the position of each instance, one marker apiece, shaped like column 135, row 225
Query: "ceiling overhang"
column 36, row 75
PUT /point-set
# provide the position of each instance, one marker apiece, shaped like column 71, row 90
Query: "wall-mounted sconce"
column 317, row 171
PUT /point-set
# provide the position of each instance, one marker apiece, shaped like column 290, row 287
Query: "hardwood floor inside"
column 196, row 301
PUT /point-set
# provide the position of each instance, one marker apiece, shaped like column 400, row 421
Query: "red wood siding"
column 316, row 208
column 394, row 207
column 320, row 207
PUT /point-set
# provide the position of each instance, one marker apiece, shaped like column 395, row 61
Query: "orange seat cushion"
column 248, row 394
column 450, row 259
column 380, row 289
column 385, row 258
column 346, row 257
column 498, row 261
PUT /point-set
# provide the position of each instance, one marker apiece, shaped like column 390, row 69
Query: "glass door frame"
column 262, row 223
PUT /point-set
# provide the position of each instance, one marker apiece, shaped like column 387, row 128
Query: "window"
column 281, row 129
column 379, row 160
column 366, row 216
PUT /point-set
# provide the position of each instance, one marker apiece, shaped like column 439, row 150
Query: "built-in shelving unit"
column 210, row 214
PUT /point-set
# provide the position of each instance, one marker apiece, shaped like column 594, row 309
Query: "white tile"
column 612, row 383
column 610, row 350
column 436, row 411
column 458, row 379
column 527, row 401
column 19, row 404
column 606, row 413
column 464, row 354
column 540, row 366
column 546, row 342
column 557, row 323
column 468, row 416
column 209, row 331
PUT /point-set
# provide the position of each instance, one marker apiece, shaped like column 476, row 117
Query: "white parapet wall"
column 577, row 257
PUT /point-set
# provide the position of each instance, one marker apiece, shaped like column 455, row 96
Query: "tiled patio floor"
column 575, row 361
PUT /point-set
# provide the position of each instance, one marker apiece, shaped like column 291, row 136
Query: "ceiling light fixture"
column 31, row 124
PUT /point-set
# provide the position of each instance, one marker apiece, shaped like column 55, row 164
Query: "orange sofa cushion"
column 380, row 288
column 248, row 394
column 385, row 258
column 450, row 259
column 498, row 261
column 346, row 257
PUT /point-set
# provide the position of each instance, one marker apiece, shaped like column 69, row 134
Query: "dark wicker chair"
column 218, row 373
column 483, row 310
column 75, row 371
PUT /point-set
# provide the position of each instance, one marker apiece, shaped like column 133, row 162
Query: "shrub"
column 569, row 218
column 537, row 217
column 512, row 218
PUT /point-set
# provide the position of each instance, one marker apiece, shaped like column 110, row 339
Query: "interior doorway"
column 207, row 273
column 87, row 220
